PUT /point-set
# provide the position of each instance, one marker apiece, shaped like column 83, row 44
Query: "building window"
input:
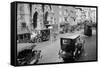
column 35, row 16
column 23, row 25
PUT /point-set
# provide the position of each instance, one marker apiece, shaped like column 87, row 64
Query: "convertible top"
column 70, row 36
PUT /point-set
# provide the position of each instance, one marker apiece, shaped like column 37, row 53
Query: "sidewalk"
column 37, row 46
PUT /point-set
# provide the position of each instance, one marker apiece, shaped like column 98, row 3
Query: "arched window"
column 35, row 19
column 45, row 18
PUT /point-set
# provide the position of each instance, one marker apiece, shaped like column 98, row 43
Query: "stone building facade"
column 37, row 16
column 23, row 23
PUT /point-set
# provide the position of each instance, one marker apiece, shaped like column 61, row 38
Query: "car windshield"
column 66, row 41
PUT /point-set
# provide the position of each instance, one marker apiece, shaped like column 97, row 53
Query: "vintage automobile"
column 35, row 37
column 40, row 36
column 28, row 56
column 72, row 47
column 88, row 30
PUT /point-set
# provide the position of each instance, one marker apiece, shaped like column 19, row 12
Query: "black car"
column 71, row 47
column 28, row 56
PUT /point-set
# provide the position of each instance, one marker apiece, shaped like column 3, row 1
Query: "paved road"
column 90, row 49
column 50, row 50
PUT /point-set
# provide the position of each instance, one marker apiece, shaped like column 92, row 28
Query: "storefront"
column 23, row 36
